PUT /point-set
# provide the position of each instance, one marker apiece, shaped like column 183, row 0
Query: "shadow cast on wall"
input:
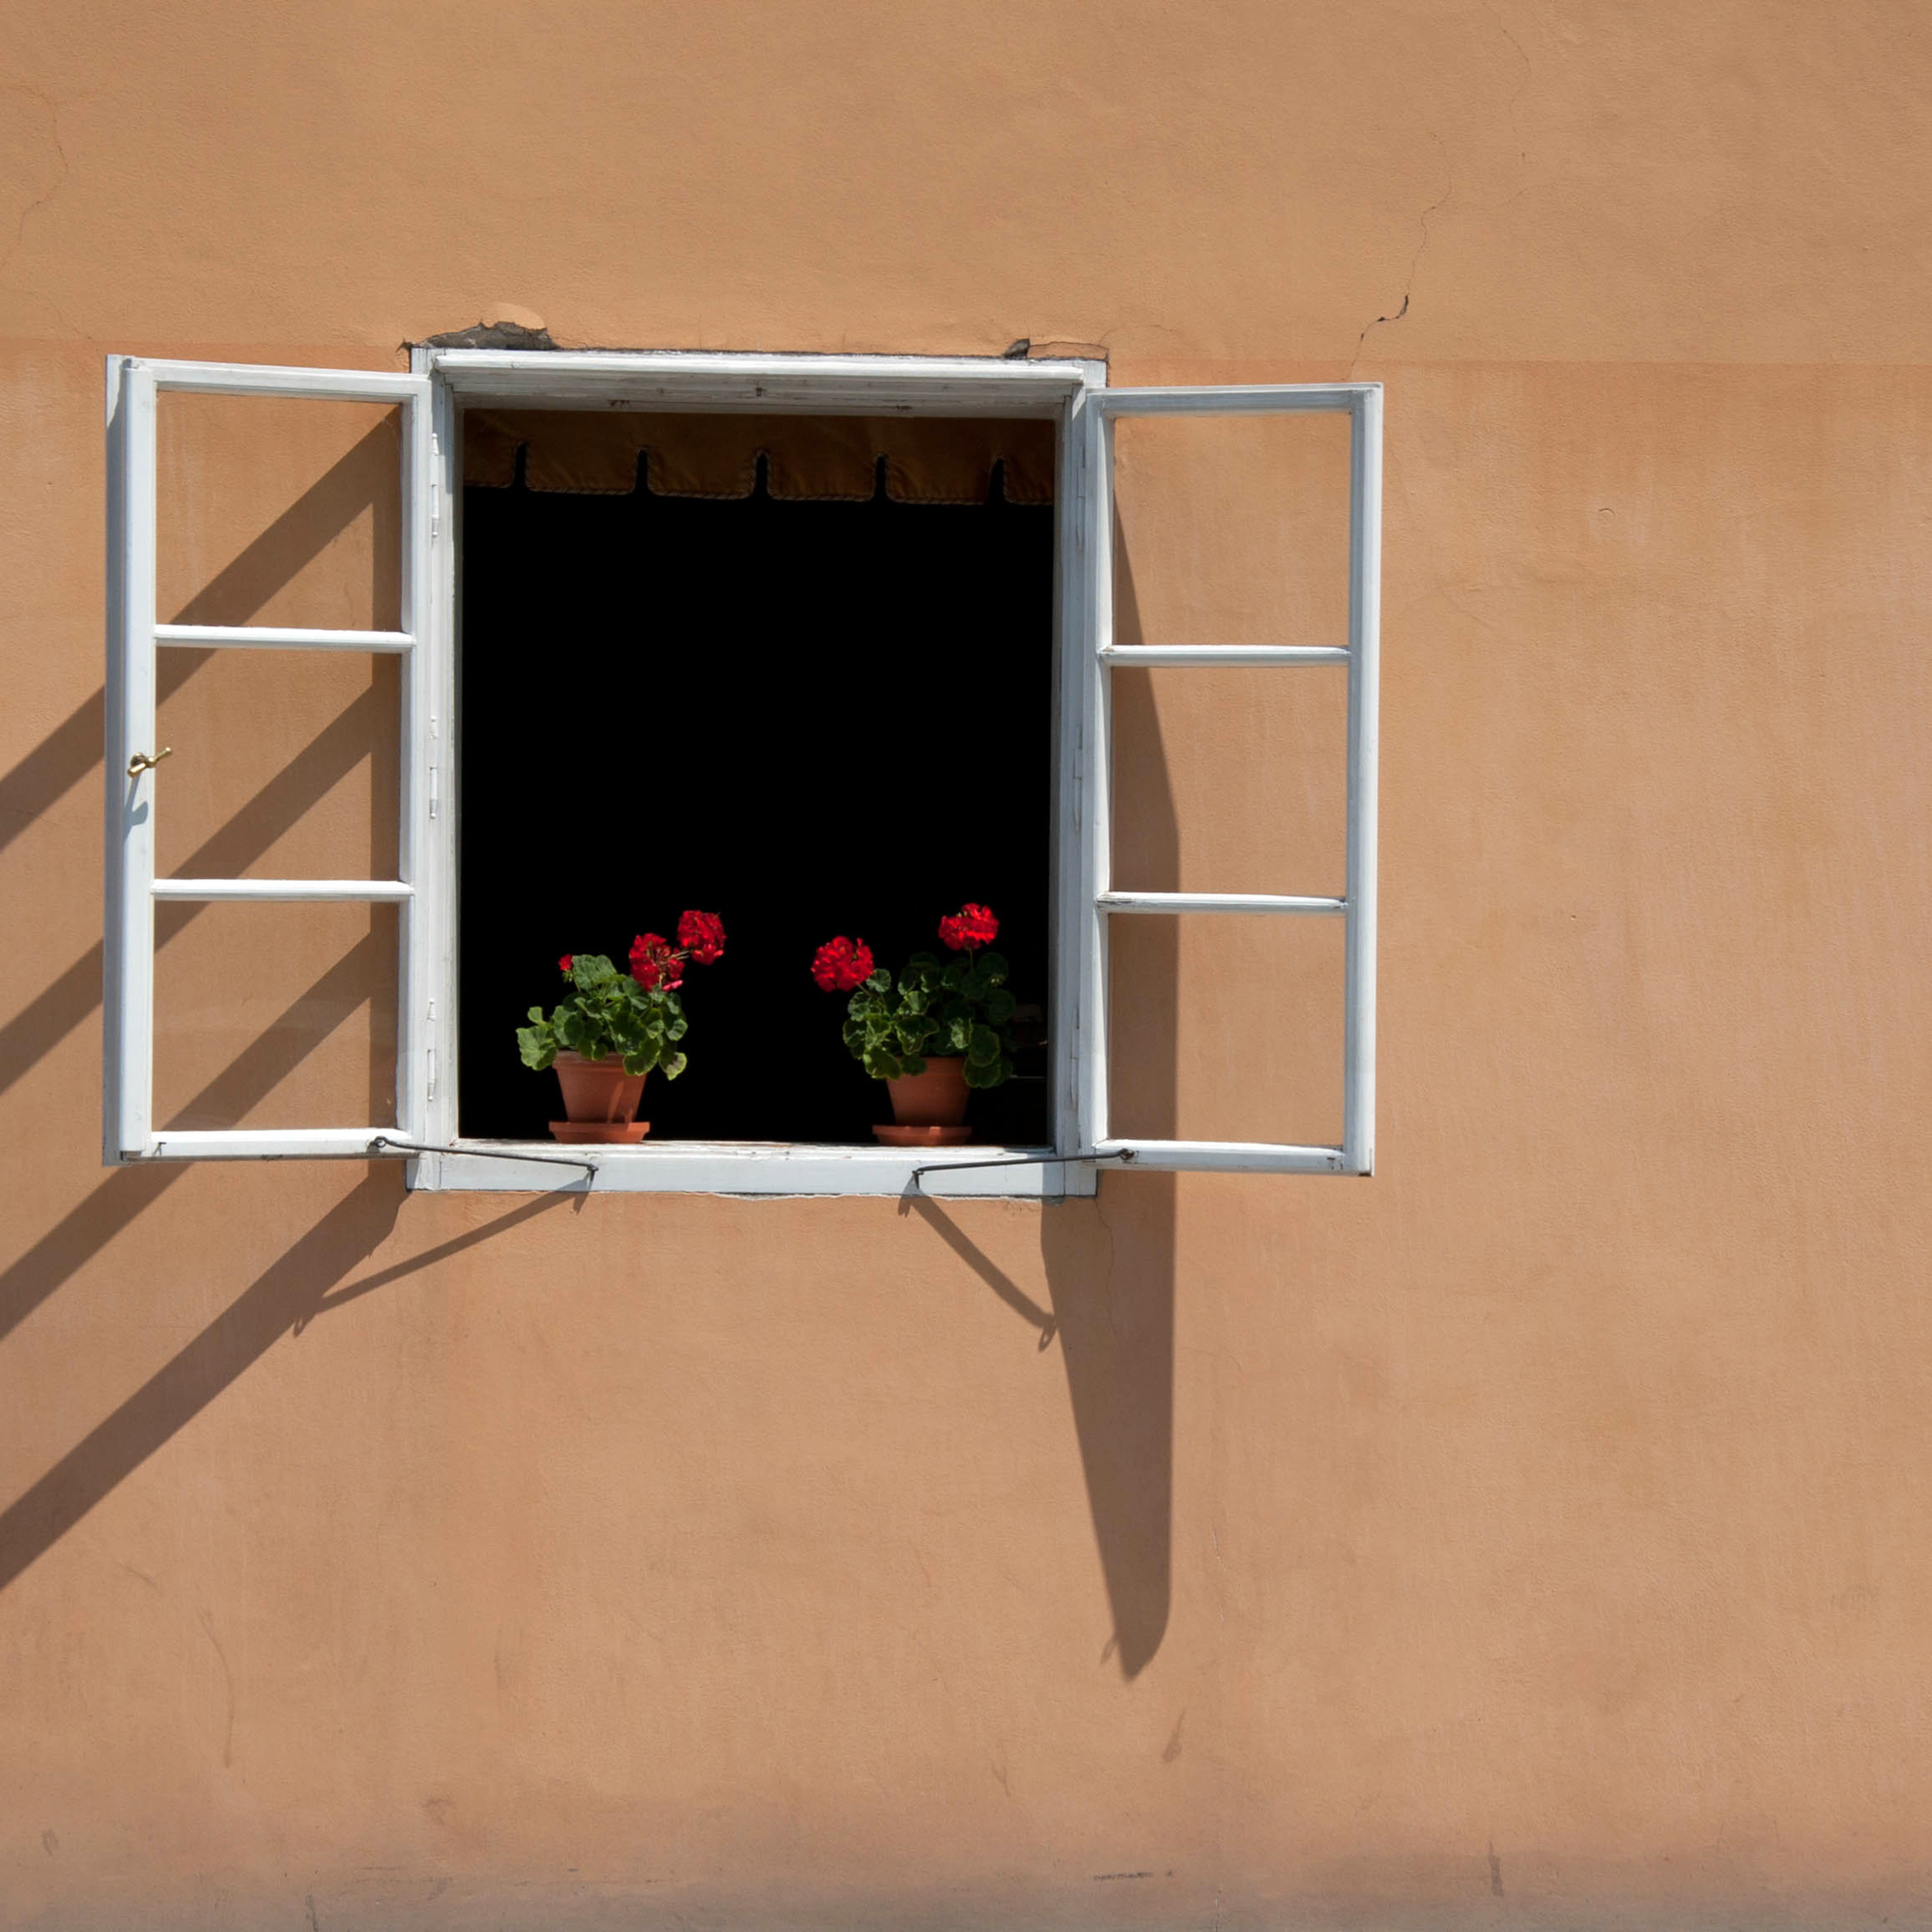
column 360, row 481
column 1109, row 1262
column 296, row 1287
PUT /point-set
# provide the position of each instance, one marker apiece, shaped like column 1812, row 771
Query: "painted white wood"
column 280, row 638
column 1271, row 399
column 284, row 891
column 1072, row 908
column 128, row 992
column 134, row 385
column 1365, row 580
column 1174, row 902
column 1229, row 1156
column 1222, row 656
column 417, row 735
column 263, row 1143
column 820, row 385
column 735, row 1167
column 436, row 856
column 736, row 384
column 1362, row 402
column 263, row 379
column 1095, row 797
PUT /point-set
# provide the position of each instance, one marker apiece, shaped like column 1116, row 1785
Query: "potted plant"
column 615, row 1028
column 939, row 1031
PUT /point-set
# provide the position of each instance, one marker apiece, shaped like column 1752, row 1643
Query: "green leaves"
column 957, row 1006
column 607, row 1012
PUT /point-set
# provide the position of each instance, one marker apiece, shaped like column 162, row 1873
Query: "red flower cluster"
column 971, row 926
column 841, row 965
column 565, row 964
column 655, row 963
column 701, row 934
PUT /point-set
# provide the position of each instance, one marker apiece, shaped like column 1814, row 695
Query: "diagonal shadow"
column 110, row 1452
column 570, row 1194
column 334, row 752
column 284, row 1298
column 72, row 749
column 85, row 1229
column 357, row 482
column 996, row 1278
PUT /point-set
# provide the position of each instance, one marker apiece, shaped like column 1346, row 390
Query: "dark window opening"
column 812, row 718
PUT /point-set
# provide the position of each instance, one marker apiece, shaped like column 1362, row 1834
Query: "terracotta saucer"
column 610, row 1133
column 923, row 1136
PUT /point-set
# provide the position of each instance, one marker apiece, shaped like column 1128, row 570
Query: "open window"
column 1105, row 898
column 479, row 647
column 136, row 776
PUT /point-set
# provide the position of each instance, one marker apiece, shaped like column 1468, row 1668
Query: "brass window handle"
column 141, row 762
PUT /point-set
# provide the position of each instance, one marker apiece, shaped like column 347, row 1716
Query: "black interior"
column 809, row 718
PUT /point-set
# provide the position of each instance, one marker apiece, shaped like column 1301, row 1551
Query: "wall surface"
column 1537, row 1534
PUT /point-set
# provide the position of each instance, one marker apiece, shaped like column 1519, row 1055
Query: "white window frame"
column 444, row 382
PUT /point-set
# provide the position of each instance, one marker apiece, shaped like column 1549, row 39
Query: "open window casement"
column 137, row 780
column 1103, row 897
column 1087, row 896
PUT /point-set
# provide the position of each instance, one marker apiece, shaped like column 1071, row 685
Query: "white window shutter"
column 136, row 788
column 1101, row 902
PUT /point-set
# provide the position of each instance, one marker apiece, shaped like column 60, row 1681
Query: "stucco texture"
column 1539, row 1533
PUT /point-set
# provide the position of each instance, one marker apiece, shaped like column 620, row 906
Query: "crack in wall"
column 1515, row 132
column 40, row 200
column 1440, row 202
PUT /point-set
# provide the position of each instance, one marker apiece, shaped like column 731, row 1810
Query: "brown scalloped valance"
column 928, row 459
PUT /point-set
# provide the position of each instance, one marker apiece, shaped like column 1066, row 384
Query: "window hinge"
column 435, row 486
column 432, row 791
column 429, row 1090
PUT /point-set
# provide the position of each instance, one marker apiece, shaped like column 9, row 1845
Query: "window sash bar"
column 280, row 638
column 1229, row 1156
column 1358, row 970
column 127, row 993
column 375, row 891
column 1094, row 806
column 268, row 1144
column 1239, row 902
column 1274, row 399
column 266, row 379
column 1221, row 657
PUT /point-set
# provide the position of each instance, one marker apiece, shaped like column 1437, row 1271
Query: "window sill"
column 751, row 1168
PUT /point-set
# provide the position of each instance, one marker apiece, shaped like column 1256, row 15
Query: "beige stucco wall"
column 1535, row 1534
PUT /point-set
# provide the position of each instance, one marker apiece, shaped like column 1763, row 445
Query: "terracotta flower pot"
column 928, row 1107
column 600, row 1100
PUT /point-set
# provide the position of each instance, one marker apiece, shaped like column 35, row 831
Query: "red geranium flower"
column 971, row 926
column 565, row 964
column 701, row 934
column 841, row 965
column 654, row 964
